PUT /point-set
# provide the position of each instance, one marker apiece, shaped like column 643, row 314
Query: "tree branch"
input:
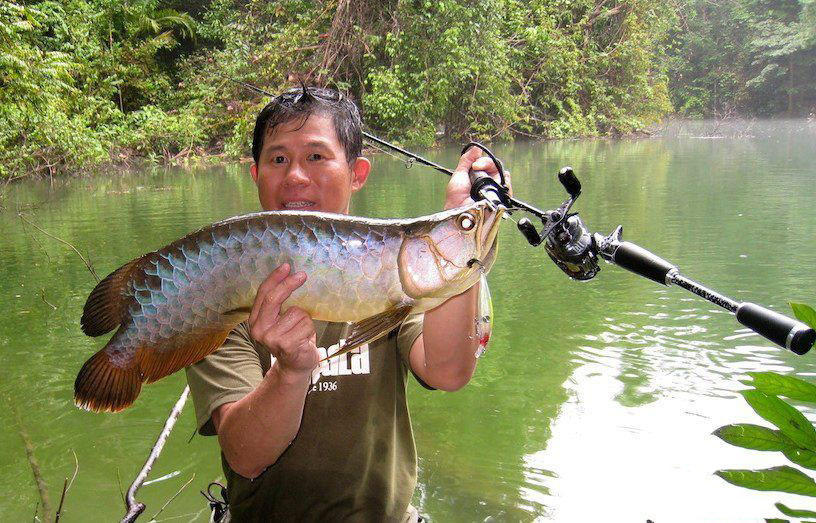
column 135, row 508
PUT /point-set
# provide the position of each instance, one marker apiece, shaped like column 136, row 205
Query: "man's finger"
column 269, row 284
column 302, row 332
column 467, row 159
column 294, row 340
column 288, row 320
column 485, row 163
column 270, row 305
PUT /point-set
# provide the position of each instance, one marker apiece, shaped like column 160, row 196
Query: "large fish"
column 174, row 306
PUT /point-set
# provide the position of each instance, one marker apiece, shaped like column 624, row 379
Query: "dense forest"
column 86, row 83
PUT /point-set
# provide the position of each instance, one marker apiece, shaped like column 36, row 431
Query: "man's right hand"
column 289, row 337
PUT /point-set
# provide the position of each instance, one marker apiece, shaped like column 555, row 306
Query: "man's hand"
column 458, row 191
column 290, row 337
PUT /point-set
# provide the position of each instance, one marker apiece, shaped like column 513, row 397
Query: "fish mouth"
column 489, row 231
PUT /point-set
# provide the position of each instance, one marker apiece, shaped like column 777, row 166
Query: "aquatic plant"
column 795, row 436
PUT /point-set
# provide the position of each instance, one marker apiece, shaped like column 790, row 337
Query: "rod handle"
column 785, row 332
column 642, row 262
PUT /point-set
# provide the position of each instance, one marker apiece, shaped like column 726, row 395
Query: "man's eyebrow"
column 318, row 143
column 311, row 143
column 274, row 148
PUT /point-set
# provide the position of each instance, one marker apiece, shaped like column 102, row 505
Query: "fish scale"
column 174, row 306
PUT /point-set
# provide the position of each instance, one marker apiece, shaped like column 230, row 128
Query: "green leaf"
column 790, row 421
column 795, row 513
column 776, row 520
column 754, row 437
column 779, row 479
column 802, row 457
column 804, row 313
column 780, row 385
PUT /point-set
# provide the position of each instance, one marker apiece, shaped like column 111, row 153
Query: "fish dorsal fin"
column 372, row 329
column 105, row 308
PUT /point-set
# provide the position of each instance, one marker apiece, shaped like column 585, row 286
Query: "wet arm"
column 444, row 356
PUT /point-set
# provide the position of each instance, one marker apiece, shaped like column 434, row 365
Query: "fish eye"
column 466, row 221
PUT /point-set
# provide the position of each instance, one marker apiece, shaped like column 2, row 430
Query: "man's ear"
column 253, row 170
column 359, row 171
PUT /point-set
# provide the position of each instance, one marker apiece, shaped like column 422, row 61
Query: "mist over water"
column 594, row 401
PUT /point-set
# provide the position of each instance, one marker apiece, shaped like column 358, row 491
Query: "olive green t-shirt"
column 354, row 457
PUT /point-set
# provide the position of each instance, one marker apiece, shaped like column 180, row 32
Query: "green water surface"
column 595, row 401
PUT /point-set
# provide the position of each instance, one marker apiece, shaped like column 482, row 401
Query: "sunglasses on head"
column 303, row 93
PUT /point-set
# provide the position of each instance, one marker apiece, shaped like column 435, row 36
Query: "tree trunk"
column 791, row 85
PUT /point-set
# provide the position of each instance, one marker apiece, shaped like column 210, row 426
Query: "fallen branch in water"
column 135, row 508
column 62, row 500
column 66, row 487
column 42, row 295
column 121, row 490
column 172, row 498
column 69, row 244
column 35, row 467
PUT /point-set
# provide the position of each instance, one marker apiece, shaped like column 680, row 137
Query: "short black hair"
column 303, row 102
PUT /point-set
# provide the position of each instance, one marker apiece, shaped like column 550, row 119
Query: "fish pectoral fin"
column 238, row 314
column 373, row 328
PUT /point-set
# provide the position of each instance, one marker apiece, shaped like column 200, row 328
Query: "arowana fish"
column 176, row 305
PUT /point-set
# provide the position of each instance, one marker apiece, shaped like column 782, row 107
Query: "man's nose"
column 296, row 175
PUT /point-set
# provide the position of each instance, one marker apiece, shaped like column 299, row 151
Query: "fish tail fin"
column 102, row 386
column 105, row 386
column 105, row 308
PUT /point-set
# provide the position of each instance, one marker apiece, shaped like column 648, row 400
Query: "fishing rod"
column 575, row 250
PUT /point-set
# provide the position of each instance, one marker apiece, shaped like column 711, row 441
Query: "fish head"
column 445, row 254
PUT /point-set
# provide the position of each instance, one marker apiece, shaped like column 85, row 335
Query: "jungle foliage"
column 85, row 83
column 746, row 57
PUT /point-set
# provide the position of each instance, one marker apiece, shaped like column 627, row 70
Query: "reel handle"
column 785, row 332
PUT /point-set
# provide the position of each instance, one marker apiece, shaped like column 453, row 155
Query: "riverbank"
column 191, row 157
column 87, row 83
column 207, row 156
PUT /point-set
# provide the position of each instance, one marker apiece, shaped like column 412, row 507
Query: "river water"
column 596, row 400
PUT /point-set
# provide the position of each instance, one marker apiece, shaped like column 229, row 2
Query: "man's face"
column 304, row 167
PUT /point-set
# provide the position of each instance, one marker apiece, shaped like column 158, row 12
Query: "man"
column 303, row 441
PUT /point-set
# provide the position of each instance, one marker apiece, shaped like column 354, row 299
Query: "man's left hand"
column 458, row 191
